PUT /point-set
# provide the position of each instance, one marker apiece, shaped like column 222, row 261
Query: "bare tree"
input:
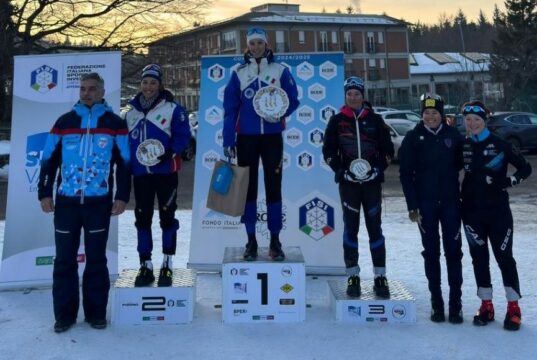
column 42, row 26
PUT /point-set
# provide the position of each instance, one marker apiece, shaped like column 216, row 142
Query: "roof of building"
column 448, row 63
column 282, row 13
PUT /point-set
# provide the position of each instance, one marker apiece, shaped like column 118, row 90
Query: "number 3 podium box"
column 153, row 305
column 263, row 290
column 399, row 308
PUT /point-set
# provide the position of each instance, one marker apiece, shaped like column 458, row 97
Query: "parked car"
column 401, row 114
column 398, row 130
column 458, row 122
column 379, row 109
column 519, row 128
column 190, row 151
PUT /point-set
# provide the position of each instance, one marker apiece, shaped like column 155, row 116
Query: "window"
column 382, row 63
column 334, row 37
column 280, row 42
column 371, row 42
column 229, row 40
column 380, row 37
column 533, row 119
column 347, row 42
column 372, row 63
column 324, row 41
column 301, row 39
column 516, row 119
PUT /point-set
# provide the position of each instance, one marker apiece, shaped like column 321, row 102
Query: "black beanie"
column 430, row 101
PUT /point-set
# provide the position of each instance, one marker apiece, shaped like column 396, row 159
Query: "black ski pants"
column 367, row 196
column 69, row 219
column 268, row 148
column 164, row 187
column 446, row 215
column 494, row 224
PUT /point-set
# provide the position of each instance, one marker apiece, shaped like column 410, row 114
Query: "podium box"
column 263, row 291
column 153, row 305
column 399, row 308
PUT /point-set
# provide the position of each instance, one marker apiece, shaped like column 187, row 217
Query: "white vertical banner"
column 45, row 87
column 312, row 216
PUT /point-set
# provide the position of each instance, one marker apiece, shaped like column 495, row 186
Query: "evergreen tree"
column 514, row 56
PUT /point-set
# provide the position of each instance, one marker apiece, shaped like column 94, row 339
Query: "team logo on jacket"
column 249, row 93
column 102, row 142
column 448, row 143
column 316, row 218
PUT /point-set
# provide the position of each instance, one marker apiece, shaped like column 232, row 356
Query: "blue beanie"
column 152, row 70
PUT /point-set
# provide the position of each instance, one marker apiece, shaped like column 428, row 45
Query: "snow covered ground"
column 26, row 316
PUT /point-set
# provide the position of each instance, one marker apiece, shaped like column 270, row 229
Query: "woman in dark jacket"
column 486, row 213
column 430, row 161
column 354, row 135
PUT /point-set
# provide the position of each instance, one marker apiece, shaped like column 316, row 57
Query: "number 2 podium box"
column 399, row 308
column 263, row 291
column 153, row 305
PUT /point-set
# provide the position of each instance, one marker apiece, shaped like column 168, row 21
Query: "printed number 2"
column 264, row 287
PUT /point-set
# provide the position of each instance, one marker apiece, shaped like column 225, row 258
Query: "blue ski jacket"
column 85, row 144
column 239, row 114
column 167, row 122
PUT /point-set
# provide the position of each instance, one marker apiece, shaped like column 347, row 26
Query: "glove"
column 168, row 154
column 345, row 175
column 372, row 174
column 502, row 182
column 229, row 152
column 414, row 216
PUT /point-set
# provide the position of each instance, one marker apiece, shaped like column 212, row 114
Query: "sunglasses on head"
column 430, row 96
column 473, row 109
column 255, row 31
column 354, row 82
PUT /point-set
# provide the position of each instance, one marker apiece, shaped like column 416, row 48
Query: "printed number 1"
column 264, row 287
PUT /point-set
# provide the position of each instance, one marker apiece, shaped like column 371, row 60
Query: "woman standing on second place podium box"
column 158, row 132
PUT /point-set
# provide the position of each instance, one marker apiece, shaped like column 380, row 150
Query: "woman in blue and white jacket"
column 159, row 126
column 251, row 137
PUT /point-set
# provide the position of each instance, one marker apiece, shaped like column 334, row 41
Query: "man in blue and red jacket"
column 84, row 144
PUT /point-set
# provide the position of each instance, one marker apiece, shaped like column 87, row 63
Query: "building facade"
column 457, row 77
column 375, row 48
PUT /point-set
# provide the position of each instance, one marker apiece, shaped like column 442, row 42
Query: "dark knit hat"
column 476, row 108
column 152, row 70
column 354, row 82
column 432, row 101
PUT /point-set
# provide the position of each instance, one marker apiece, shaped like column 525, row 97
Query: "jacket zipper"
column 85, row 161
column 262, row 128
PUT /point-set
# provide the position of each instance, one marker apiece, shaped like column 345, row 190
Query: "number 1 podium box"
column 263, row 291
column 399, row 308
column 153, row 305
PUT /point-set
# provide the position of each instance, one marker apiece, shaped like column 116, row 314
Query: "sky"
column 425, row 11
